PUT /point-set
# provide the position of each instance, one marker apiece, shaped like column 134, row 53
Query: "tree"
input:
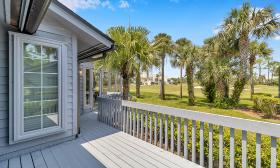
column 268, row 66
column 181, row 57
column 260, row 62
column 193, row 55
column 143, row 50
column 128, row 53
column 256, row 49
column 163, row 46
column 243, row 24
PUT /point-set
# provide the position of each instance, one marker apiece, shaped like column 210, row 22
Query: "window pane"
column 50, row 120
column 32, row 80
column 49, row 66
column 32, row 123
column 40, row 87
column 32, row 108
column 50, row 80
column 49, row 53
column 50, row 93
column 32, row 94
column 32, row 51
column 50, row 106
column 32, row 65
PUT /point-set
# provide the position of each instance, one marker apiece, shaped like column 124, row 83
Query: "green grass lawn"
column 150, row 94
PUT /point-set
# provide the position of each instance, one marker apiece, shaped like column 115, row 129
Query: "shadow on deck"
column 100, row 146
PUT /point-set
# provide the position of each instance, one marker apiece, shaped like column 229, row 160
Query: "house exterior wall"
column 52, row 31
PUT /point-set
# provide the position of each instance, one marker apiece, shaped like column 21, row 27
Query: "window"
column 37, row 87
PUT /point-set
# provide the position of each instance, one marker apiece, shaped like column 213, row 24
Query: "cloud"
column 123, row 4
column 87, row 4
column 81, row 4
column 277, row 37
column 107, row 4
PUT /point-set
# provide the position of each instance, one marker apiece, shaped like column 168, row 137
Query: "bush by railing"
column 208, row 139
column 267, row 105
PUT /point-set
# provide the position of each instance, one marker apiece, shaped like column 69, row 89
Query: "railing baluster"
column 155, row 131
column 142, row 123
column 193, row 141
column 273, row 152
column 134, row 122
column 166, row 132
column 258, row 150
column 151, row 127
column 146, row 126
column 130, row 121
column 179, row 136
column 244, row 148
column 172, row 134
column 186, row 138
column 127, row 120
column 231, row 165
column 160, row 130
column 124, row 118
column 221, row 147
column 138, row 125
column 201, row 157
column 210, row 156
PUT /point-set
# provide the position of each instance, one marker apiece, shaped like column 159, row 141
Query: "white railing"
column 156, row 124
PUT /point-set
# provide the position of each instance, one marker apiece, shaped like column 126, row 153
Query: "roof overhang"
column 26, row 16
column 100, row 42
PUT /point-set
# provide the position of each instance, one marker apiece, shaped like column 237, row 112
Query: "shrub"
column 210, row 91
column 225, row 103
column 265, row 104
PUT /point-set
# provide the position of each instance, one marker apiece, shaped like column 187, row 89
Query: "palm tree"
column 193, row 55
column 268, row 65
column 243, row 24
column 128, row 53
column 260, row 62
column 181, row 57
column 256, row 49
column 143, row 51
column 163, row 46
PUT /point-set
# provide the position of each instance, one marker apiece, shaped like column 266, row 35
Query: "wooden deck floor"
column 99, row 146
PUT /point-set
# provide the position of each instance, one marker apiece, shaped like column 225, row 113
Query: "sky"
column 193, row 19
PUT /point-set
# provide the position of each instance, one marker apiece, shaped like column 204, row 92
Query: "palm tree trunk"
column 162, row 92
column 138, row 83
column 189, row 71
column 242, row 78
column 181, row 83
column 125, row 86
column 252, row 60
column 225, row 87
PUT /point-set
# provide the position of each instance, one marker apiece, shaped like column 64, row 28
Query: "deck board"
column 4, row 164
column 101, row 146
column 38, row 160
column 26, row 161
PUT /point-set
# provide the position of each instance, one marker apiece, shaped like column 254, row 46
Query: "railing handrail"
column 265, row 128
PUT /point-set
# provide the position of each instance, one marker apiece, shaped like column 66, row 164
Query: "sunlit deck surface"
column 99, row 146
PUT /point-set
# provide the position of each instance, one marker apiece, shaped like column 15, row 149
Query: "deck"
column 99, row 146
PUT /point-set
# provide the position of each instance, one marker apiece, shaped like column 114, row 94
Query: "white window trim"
column 17, row 133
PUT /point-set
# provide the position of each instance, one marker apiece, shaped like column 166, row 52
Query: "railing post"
column 166, row 132
column 201, row 157
column 193, row 141
column 186, row 138
column 172, row 134
column 221, row 147
column 179, row 136
column 155, row 133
